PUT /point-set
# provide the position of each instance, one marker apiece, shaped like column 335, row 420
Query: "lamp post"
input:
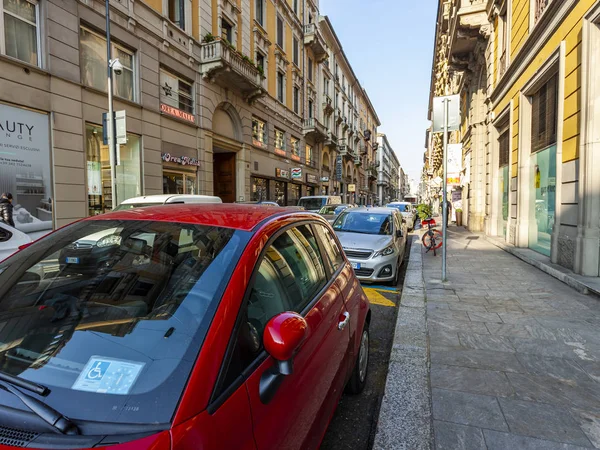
column 116, row 67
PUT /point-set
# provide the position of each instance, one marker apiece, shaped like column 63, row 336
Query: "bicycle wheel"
column 432, row 239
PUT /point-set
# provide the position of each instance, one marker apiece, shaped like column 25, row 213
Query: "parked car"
column 315, row 203
column 205, row 326
column 261, row 203
column 164, row 199
column 330, row 212
column 408, row 212
column 374, row 241
column 10, row 240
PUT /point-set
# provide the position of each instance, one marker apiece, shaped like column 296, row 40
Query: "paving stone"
column 477, row 300
column 496, row 440
column 450, row 315
column 556, row 349
column 462, row 306
column 592, row 369
column 432, row 306
column 558, row 368
column 476, row 359
column 457, row 325
column 542, row 421
column 589, row 423
column 518, row 318
column 484, row 317
column 468, row 409
column 500, row 308
column 485, row 342
column 443, row 338
column 478, row 381
column 568, row 393
column 507, row 329
column 451, row 436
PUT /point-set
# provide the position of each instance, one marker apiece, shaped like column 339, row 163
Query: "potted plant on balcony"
column 458, row 217
column 208, row 37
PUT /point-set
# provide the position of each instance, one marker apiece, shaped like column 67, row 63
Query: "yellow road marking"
column 377, row 299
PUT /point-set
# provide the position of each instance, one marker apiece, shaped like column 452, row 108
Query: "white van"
column 315, row 203
column 165, row 199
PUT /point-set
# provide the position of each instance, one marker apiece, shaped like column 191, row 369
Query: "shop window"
column 280, row 192
column 295, row 144
column 180, row 13
column 179, row 183
column 260, row 189
column 20, row 33
column 294, row 194
column 309, row 155
column 176, row 92
column 259, row 132
column 129, row 180
column 279, row 140
column 544, row 110
column 93, row 65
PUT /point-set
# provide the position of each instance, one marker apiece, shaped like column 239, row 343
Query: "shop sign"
column 183, row 160
column 297, row 173
column 453, row 179
column 311, row 178
column 325, row 179
column 338, row 168
column 25, row 167
column 177, row 113
column 456, row 196
column 282, row 173
column 351, row 188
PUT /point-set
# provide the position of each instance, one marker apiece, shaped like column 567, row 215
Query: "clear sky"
column 390, row 46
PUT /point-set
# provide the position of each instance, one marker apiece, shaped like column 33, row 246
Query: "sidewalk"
column 515, row 353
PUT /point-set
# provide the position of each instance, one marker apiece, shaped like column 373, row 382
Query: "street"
column 355, row 421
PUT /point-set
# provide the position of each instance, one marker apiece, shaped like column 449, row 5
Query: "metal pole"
column 110, row 118
column 445, row 193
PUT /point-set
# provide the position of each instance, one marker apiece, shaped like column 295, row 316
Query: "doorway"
column 224, row 176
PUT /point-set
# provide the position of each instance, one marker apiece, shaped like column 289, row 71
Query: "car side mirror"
column 283, row 336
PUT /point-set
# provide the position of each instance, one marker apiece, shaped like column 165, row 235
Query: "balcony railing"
column 315, row 129
column 313, row 38
column 226, row 67
column 540, row 7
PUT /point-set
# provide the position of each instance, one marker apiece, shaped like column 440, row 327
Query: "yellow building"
column 527, row 74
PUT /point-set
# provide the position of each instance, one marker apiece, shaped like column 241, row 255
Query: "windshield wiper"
column 45, row 412
column 30, row 386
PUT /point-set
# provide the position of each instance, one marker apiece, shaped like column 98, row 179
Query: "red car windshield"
column 111, row 315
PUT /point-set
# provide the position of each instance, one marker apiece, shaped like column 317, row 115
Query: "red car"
column 192, row 327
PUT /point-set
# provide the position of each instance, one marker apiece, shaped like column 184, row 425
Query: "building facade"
column 526, row 74
column 388, row 171
column 224, row 97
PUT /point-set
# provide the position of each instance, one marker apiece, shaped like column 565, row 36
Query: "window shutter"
column 543, row 116
column 503, row 143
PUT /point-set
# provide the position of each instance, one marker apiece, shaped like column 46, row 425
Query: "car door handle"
column 344, row 322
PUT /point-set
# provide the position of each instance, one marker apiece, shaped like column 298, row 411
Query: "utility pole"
column 445, row 193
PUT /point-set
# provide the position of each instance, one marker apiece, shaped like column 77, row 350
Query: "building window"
column 296, row 7
column 227, row 31
column 310, row 109
column 260, row 61
column 280, row 86
column 310, row 69
column 295, row 147
column 296, row 100
column 129, row 180
column 260, row 189
column 259, row 132
column 279, row 142
column 503, row 143
column 296, row 52
column 503, row 38
column 93, row 65
column 260, row 12
column 176, row 182
column 280, row 31
column 309, row 155
column 176, row 92
column 20, row 38
column 544, row 111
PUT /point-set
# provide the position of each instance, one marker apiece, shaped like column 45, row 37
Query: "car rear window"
column 113, row 314
column 312, row 204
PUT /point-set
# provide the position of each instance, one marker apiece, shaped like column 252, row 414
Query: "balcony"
column 372, row 172
column 338, row 115
column 313, row 39
column 469, row 22
column 331, row 140
column 224, row 66
column 314, row 129
column 345, row 124
column 327, row 104
column 357, row 161
column 540, row 8
column 342, row 147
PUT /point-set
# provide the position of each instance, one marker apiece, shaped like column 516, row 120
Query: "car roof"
column 377, row 210
column 162, row 198
column 226, row 215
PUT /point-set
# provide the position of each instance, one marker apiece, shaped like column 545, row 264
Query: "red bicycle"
column 432, row 239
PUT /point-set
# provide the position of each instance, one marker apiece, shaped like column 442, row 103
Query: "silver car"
column 374, row 240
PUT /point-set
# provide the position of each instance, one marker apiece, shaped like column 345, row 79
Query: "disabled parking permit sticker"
column 108, row 376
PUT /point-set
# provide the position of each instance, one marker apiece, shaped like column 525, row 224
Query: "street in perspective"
column 299, row 224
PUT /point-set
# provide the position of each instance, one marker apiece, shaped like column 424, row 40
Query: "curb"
column 554, row 270
column 405, row 417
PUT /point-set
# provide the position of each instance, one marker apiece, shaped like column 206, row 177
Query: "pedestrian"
column 449, row 212
column 6, row 209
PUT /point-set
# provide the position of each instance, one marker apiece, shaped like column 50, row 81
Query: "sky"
column 389, row 44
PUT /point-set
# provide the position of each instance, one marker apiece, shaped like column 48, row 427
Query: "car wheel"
column 358, row 380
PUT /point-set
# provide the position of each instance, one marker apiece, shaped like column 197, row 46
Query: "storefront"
column 180, row 169
column 279, row 187
column 325, row 185
column 504, row 183
column 294, row 193
column 312, row 184
column 129, row 176
column 259, row 189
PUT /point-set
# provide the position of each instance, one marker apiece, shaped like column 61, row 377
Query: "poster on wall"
column 94, row 178
column 25, row 169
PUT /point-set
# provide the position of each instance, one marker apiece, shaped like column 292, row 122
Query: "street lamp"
column 116, row 67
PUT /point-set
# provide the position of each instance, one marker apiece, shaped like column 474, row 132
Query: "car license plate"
column 356, row 266
column 72, row 260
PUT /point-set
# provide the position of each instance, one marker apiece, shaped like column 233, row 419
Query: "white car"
column 10, row 240
column 165, row 199
column 408, row 212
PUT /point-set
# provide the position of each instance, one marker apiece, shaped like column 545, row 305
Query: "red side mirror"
column 283, row 335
